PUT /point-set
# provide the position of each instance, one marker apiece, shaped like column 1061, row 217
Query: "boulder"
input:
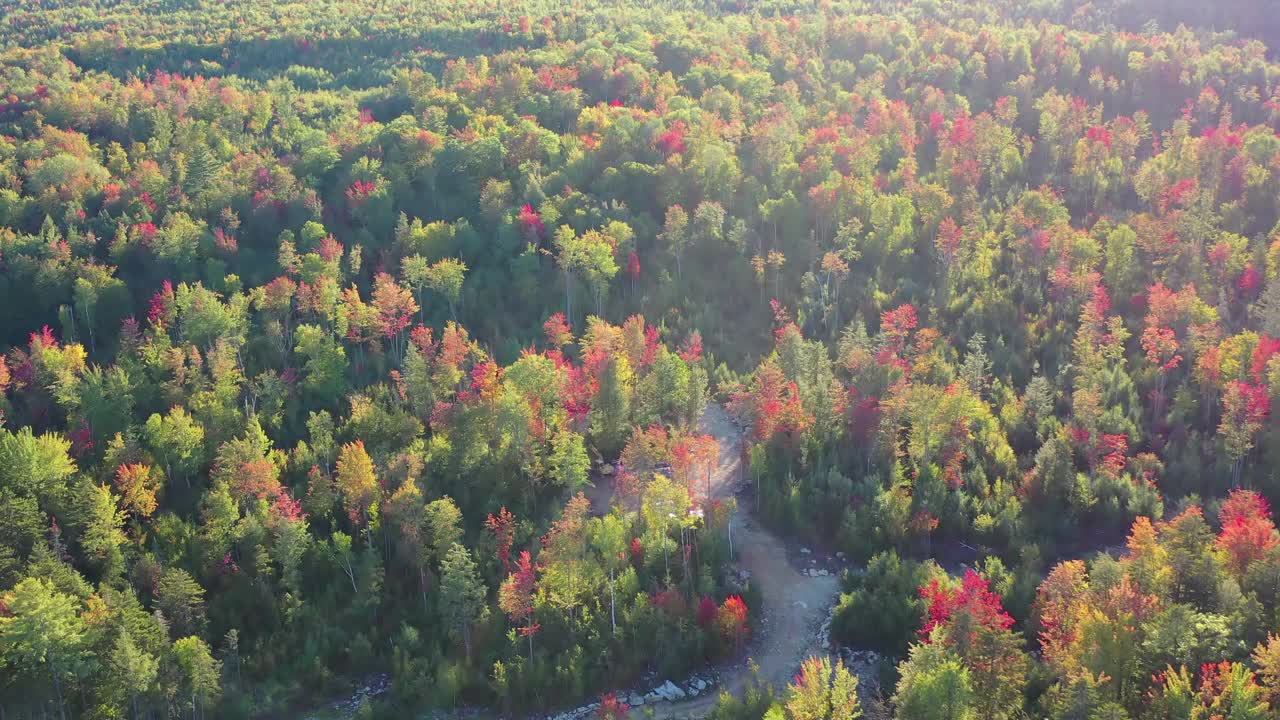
column 669, row 691
column 823, row 573
column 805, row 551
column 634, row 700
column 606, row 469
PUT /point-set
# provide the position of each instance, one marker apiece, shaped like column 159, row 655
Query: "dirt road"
column 794, row 604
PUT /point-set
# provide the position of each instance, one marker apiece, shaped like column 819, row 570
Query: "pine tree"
column 202, row 166
column 462, row 593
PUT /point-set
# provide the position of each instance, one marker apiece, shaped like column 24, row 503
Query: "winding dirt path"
column 794, row 604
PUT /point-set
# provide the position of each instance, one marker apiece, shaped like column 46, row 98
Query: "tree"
column 462, row 593
column 823, row 692
column 515, row 597
column 340, row 546
column 1244, row 408
column 357, row 483
column 1267, row 659
column 445, row 277
column 609, row 539
column 177, row 439
column 444, row 526
column 675, row 235
column 503, row 527
column 1247, row 530
column 932, row 685
column 137, row 487
column 972, row 623
column 135, row 668
column 665, row 505
column 40, row 633
column 102, row 536
column 200, row 673
column 181, row 599
column 34, row 466
column 731, row 620
column 611, row 406
column 569, row 463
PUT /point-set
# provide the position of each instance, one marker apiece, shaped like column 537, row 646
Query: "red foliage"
column 633, row 265
column 1161, row 347
column 1177, row 194
column 503, row 527
column 396, row 305
column 670, row 601
column 899, row 321
column 1115, row 451
column 1250, row 279
column 974, row 597
column 691, row 349
column 423, row 338
column 288, row 508
column 361, row 189
column 672, row 141
column 161, row 308
column 949, row 237
column 651, row 343
column 256, row 479
column 1247, row 529
column 1267, row 346
column 1100, row 135
column 962, row 131
column 486, row 380
column 557, row 330
column 611, row 708
column 81, row 439
column 732, row 621
column 146, row 231
column 530, row 222
column 516, row 596
column 706, row 611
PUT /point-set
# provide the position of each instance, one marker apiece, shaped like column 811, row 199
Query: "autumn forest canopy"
column 395, row 342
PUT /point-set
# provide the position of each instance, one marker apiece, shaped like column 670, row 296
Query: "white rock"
column 840, row 555
column 805, row 551
column 699, row 684
column 669, row 691
column 635, row 700
column 823, row 573
column 606, row 469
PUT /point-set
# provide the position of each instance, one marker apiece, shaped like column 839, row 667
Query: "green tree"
column 569, row 464
column 200, row 674
column 823, row 692
column 181, row 599
column 443, row 521
column 103, row 534
column 177, row 440
column 933, row 686
column 34, row 466
column 462, row 593
column 133, row 668
column 41, row 634
column 446, row 277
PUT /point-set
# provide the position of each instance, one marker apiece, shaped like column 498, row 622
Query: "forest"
column 469, row 348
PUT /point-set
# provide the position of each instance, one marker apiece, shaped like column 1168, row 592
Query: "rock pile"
column 667, row 691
